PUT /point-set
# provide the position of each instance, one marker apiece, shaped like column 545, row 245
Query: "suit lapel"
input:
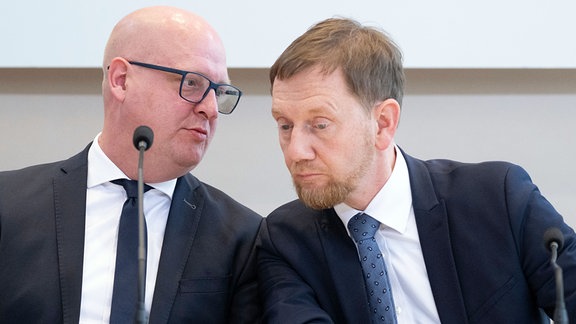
column 348, row 279
column 433, row 230
column 69, row 187
column 181, row 227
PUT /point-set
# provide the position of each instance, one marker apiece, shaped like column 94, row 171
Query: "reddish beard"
column 323, row 197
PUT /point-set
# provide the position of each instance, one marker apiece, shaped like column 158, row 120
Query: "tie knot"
column 362, row 227
column 131, row 187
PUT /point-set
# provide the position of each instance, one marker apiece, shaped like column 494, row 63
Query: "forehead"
column 311, row 90
column 178, row 41
column 198, row 53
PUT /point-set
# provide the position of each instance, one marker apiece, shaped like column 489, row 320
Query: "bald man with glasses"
column 60, row 223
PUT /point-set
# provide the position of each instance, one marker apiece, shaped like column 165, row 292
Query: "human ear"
column 117, row 80
column 387, row 115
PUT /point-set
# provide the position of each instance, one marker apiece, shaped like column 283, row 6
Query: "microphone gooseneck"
column 142, row 139
column 554, row 241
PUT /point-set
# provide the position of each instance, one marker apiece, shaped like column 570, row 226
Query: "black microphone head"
column 553, row 234
column 143, row 134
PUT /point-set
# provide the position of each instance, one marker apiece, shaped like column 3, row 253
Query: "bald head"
column 136, row 95
column 161, row 31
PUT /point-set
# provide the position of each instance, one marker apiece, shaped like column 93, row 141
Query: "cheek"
column 283, row 141
column 168, row 113
column 348, row 149
column 213, row 124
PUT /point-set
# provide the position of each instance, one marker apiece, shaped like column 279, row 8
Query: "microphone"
column 554, row 241
column 142, row 139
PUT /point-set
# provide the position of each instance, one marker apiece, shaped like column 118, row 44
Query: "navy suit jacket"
column 207, row 270
column 481, row 230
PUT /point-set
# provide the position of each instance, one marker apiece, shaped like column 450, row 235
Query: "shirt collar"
column 391, row 205
column 102, row 170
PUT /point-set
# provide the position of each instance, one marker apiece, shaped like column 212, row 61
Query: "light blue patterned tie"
column 362, row 228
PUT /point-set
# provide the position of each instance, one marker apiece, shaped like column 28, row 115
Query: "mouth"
column 198, row 132
column 305, row 176
column 201, row 131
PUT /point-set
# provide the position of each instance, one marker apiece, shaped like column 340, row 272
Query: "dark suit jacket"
column 207, row 271
column 480, row 228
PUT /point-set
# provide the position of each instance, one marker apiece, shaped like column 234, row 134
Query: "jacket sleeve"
column 532, row 215
column 286, row 297
column 245, row 307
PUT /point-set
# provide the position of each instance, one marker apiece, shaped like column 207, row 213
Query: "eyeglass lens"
column 195, row 87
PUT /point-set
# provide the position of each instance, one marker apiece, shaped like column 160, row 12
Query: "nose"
column 298, row 146
column 208, row 106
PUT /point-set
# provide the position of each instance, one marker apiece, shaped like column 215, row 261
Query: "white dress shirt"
column 398, row 240
column 104, row 203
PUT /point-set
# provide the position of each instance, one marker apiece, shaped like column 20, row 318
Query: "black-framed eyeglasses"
column 194, row 87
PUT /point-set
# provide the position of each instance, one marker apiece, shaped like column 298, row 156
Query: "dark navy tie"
column 362, row 228
column 125, row 293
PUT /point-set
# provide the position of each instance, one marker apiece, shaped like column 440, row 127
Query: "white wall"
column 523, row 116
column 433, row 34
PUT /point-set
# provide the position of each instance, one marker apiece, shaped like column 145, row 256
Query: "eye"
column 227, row 91
column 284, row 125
column 321, row 125
column 194, row 81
